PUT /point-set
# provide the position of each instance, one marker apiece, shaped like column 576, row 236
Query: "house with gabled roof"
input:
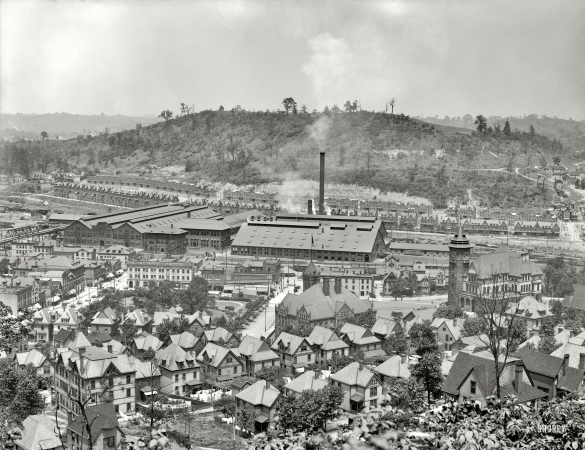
column 383, row 328
column 42, row 327
column 68, row 319
column 105, row 321
column 141, row 320
column 145, row 341
column 394, row 367
column 39, row 433
column 198, row 322
column 470, row 344
column 530, row 311
column 180, row 372
column 259, row 400
column 473, row 377
column 362, row 388
column 187, row 341
column 220, row 363
column 327, row 304
column 220, row 336
column 327, row 344
column 295, row 352
column 241, row 383
column 362, row 340
column 96, row 373
column 576, row 354
column 257, row 355
column 38, row 360
column 550, row 374
column 148, row 377
column 105, row 431
column 448, row 331
column 309, row 380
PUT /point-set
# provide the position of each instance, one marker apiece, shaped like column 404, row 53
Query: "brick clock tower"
column 460, row 248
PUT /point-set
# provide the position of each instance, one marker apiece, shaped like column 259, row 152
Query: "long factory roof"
column 348, row 237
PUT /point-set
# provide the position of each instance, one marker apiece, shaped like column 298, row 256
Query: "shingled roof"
column 174, row 358
column 503, row 262
column 289, row 342
column 214, row 354
column 184, row 340
column 101, row 416
column 393, row 367
column 307, row 381
column 353, row 376
column 358, row 335
column 384, row 327
column 218, row 333
column 256, row 349
column 326, row 339
column 145, row 341
column 260, row 393
column 34, row 357
column 38, row 433
column 320, row 306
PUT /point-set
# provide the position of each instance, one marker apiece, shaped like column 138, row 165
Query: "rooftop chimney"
column 310, row 207
column 518, row 375
column 110, row 348
column 337, row 285
column 326, row 286
column 402, row 358
column 322, row 184
column 582, row 361
column 565, row 363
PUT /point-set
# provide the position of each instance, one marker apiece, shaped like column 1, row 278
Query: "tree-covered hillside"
column 384, row 151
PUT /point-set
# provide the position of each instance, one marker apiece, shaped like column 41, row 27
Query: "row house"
column 180, row 372
column 327, row 345
column 361, row 387
column 256, row 355
column 250, row 196
column 295, row 352
column 259, row 401
column 148, row 378
column 200, row 189
column 485, row 226
column 230, row 207
column 24, row 293
column 22, row 248
column 361, row 340
column 94, row 374
column 537, row 229
column 220, row 363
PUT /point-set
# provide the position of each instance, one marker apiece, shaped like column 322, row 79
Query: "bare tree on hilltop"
column 288, row 104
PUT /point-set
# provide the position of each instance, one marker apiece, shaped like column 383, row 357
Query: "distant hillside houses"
column 201, row 189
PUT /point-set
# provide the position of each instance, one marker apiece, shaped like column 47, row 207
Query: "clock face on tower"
column 466, row 256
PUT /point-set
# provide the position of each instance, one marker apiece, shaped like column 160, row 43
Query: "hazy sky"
column 435, row 57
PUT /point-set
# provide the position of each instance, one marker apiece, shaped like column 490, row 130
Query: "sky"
column 435, row 57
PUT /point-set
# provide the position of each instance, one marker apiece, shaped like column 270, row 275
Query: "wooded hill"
column 393, row 153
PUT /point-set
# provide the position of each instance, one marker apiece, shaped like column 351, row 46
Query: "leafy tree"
column 226, row 405
column 407, row 393
column 397, row 342
column 167, row 114
column 446, row 311
column 532, row 132
column 556, row 308
column 556, row 160
column 288, row 104
column 303, row 109
column 175, row 326
column 19, row 395
column 272, row 375
column 507, row 129
column 335, row 109
column 44, row 135
column 127, row 332
column 481, row 123
column 196, row 296
column 423, row 338
column 339, row 362
column 246, row 420
column 399, row 288
column 326, row 109
column 428, row 371
column 366, row 320
column 310, row 410
column 14, row 327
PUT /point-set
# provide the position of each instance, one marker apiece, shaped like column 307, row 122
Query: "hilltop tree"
column 481, row 123
column 288, row 104
column 348, row 108
column 167, row 114
column 532, row 131
column 221, row 108
column 13, row 327
column 303, row 109
column 507, row 129
column 326, row 110
column 391, row 104
column 335, row 109
column 44, row 135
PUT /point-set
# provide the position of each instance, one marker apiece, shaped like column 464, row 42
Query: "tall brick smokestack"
column 322, row 184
